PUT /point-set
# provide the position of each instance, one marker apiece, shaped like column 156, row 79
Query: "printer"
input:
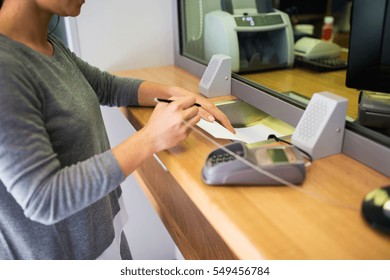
column 255, row 36
column 374, row 110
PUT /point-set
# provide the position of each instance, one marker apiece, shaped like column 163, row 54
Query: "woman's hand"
column 170, row 123
column 208, row 111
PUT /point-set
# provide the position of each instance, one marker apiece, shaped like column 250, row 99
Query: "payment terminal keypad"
column 225, row 157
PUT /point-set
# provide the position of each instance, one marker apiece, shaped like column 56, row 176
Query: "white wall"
column 128, row 34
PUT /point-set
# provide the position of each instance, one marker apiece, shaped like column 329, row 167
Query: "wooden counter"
column 319, row 220
column 307, row 82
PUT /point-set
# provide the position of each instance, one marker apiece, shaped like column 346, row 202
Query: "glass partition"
column 260, row 46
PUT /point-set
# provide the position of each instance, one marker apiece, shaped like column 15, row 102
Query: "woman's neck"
column 24, row 25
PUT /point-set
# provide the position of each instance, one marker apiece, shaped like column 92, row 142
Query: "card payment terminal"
column 223, row 168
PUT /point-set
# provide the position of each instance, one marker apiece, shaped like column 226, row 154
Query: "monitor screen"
column 369, row 49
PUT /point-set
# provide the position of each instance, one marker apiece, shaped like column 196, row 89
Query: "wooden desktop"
column 320, row 219
column 307, row 82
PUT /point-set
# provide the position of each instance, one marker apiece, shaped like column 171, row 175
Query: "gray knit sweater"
column 59, row 181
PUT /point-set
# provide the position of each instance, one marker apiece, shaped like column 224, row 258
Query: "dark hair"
column 1, row 3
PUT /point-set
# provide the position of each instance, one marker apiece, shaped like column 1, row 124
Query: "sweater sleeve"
column 30, row 169
column 110, row 89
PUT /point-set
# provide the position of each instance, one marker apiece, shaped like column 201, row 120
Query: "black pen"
column 169, row 101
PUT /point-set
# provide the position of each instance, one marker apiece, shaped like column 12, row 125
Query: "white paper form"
column 248, row 135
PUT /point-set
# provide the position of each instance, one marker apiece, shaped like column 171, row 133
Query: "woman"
column 59, row 180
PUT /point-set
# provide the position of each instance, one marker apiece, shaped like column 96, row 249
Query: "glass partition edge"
column 367, row 151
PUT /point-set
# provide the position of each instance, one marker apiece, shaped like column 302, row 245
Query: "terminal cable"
column 306, row 154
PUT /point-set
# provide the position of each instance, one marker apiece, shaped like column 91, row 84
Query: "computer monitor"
column 369, row 49
column 368, row 67
column 303, row 7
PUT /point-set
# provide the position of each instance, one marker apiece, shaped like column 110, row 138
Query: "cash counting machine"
column 252, row 33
